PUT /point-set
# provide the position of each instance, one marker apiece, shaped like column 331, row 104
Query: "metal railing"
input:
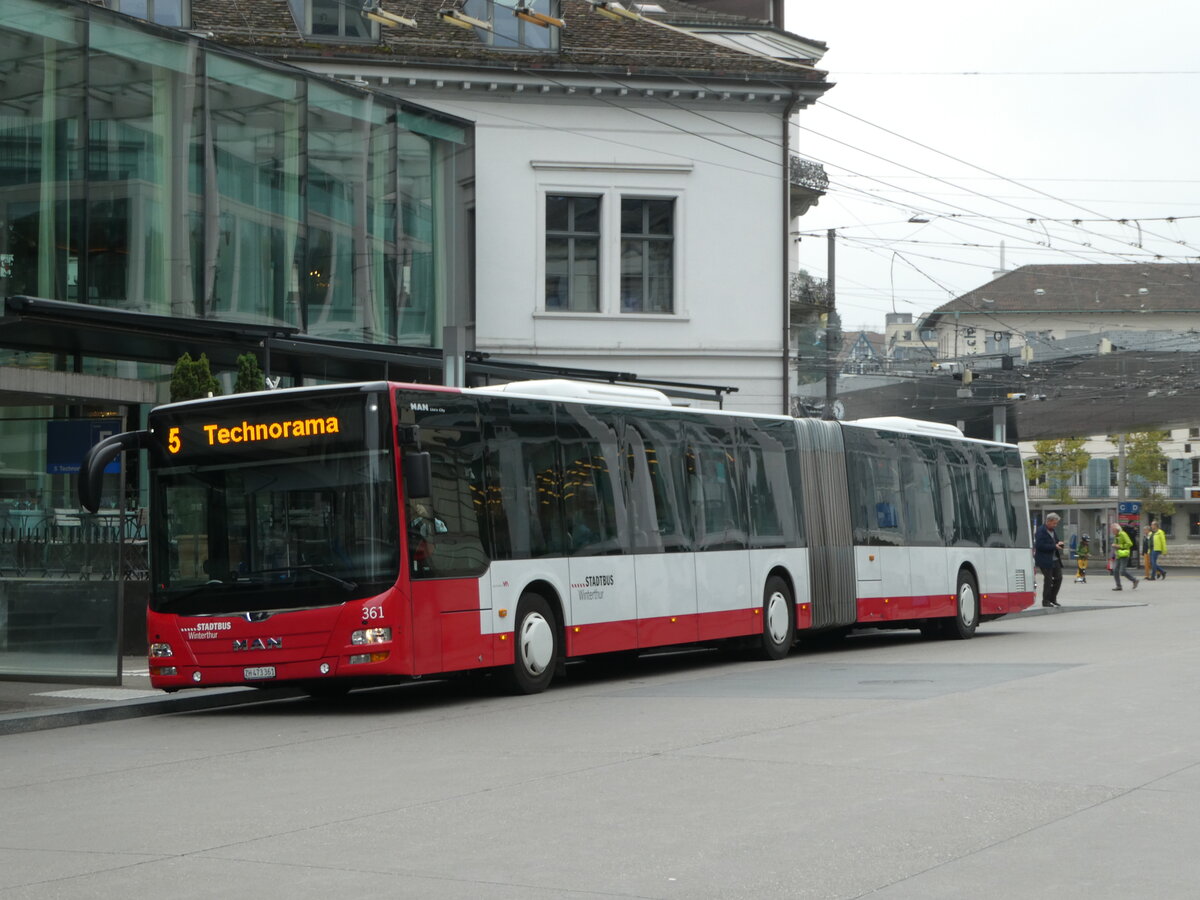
column 807, row 174
column 79, row 546
column 1102, row 492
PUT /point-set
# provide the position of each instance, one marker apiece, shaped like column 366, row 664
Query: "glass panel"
column 169, row 12
column 585, row 276
column 524, row 480
column 41, row 161
column 254, row 129
column 660, row 216
column 325, row 18
column 48, row 633
column 918, row 474
column 447, row 528
column 557, row 272
column 557, row 210
column 655, row 460
column 137, row 221
column 632, row 267
column 506, row 30
column 58, row 567
column 587, row 214
column 592, row 499
column 714, row 488
column 660, row 277
column 771, row 490
column 632, row 217
column 340, row 298
column 417, row 287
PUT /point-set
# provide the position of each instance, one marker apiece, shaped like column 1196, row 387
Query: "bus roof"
column 911, row 426
column 565, row 389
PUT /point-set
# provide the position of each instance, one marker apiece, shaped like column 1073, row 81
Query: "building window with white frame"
column 647, row 255
column 572, row 253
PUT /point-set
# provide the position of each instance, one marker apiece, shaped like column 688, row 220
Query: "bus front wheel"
column 536, row 646
column 966, row 608
column 779, row 619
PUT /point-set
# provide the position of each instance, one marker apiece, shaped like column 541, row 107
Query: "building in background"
column 633, row 184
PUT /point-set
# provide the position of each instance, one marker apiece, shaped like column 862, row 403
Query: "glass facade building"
column 145, row 169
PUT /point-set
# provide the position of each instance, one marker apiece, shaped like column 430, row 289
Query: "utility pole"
column 830, row 373
column 1120, row 469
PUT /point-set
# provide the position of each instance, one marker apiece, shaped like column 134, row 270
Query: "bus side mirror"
column 92, row 469
column 418, row 474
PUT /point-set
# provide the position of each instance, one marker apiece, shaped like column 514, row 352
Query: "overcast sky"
column 1091, row 108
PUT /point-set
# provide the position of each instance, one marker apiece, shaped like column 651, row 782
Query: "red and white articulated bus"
column 345, row 535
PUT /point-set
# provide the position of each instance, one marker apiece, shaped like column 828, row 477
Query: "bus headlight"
column 371, row 636
column 161, row 650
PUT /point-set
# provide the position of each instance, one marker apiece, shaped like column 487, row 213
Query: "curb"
column 42, row 720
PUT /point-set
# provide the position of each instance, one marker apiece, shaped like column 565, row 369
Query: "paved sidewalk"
column 39, row 705
column 36, row 706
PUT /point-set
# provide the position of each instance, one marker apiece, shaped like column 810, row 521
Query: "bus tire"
column 536, row 646
column 966, row 608
column 779, row 620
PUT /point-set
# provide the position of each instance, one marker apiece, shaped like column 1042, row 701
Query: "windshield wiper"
column 291, row 570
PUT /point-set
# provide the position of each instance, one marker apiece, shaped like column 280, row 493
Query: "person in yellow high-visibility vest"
column 1121, row 546
column 1158, row 549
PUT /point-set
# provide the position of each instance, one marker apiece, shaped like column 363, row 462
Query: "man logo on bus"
column 258, row 644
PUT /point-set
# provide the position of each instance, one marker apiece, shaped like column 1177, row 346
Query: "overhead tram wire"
column 974, row 166
column 943, row 181
column 1124, row 257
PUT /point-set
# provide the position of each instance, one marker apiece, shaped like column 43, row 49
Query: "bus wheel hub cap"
column 537, row 643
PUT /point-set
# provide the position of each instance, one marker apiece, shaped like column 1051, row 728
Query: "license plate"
column 252, row 672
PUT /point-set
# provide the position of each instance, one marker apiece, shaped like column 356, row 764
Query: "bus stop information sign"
column 1129, row 512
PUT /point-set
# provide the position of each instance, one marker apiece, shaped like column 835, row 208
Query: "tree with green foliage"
column 1146, row 467
column 193, row 379
column 1057, row 463
column 249, row 376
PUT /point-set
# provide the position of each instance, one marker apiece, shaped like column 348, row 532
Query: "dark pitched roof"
column 1153, row 287
column 588, row 43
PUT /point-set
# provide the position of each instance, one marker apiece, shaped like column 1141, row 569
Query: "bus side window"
column 714, row 487
column 524, row 479
column 655, row 493
column 593, row 501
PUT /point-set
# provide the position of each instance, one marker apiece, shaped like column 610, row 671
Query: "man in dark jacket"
column 1047, row 556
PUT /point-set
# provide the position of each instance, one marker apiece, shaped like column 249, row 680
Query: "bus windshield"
column 284, row 534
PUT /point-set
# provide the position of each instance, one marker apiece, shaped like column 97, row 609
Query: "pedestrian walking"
column 1158, row 549
column 1047, row 556
column 1121, row 544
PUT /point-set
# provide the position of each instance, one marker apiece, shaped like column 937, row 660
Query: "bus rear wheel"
column 536, row 646
column 779, row 620
column 966, row 608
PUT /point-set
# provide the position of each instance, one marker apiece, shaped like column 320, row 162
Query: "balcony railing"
column 809, row 175
column 1083, row 493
